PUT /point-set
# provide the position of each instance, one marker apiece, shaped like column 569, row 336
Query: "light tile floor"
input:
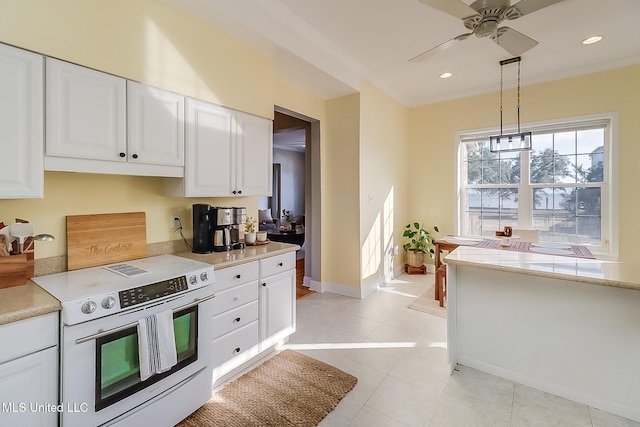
column 399, row 356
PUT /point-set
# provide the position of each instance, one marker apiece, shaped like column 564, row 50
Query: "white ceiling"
column 328, row 46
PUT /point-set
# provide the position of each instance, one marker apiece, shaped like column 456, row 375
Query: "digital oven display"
column 142, row 294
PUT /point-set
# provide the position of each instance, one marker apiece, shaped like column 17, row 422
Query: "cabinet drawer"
column 277, row 264
column 233, row 319
column 232, row 344
column 235, row 297
column 28, row 335
column 233, row 276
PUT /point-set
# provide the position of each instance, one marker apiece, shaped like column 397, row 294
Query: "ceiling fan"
column 483, row 18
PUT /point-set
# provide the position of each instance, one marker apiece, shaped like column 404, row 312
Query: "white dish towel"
column 156, row 344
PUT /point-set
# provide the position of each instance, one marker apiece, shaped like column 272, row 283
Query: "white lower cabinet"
column 277, row 299
column 29, row 372
column 254, row 309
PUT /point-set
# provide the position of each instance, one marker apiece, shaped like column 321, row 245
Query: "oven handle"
column 130, row 325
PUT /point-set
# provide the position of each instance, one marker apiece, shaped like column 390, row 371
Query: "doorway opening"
column 297, row 186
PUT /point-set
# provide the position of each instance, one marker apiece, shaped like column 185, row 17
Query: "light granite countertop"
column 30, row 300
column 221, row 260
column 25, row 301
column 591, row 271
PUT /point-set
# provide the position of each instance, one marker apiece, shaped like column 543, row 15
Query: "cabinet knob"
column 234, row 191
column 264, row 284
column 135, row 156
column 237, row 319
column 122, row 154
column 237, row 350
column 237, row 276
column 239, row 191
column 280, row 264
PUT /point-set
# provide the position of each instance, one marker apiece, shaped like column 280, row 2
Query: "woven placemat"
column 290, row 389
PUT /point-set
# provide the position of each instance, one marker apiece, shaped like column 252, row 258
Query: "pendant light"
column 520, row 141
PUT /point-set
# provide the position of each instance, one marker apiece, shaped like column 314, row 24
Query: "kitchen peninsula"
column 567, row 326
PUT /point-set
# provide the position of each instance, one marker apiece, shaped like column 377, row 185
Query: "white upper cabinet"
column 156, row 125
column 254, row 155
column 86, row 113
column 87, row 124
column 228, row 153
column 21, row 123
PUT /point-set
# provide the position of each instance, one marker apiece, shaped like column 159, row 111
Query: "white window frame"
column 609, row 196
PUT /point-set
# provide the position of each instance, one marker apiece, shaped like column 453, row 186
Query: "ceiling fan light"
column 591, row 40
column 446, row 75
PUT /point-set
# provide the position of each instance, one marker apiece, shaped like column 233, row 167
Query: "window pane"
column 589, row 202
column 540, row 143
column 491, row 172
column 564, row 143
column 565, row 169
column 590, row 140
column 589, row 231
column 489, row 210
column 510, row 170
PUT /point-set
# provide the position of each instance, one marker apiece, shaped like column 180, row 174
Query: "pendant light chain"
column 518, row 97
column 501, row 76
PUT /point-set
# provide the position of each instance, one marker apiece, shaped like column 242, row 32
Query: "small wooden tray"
column 256, row 243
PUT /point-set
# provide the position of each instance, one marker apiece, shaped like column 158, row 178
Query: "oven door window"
column 118, row 363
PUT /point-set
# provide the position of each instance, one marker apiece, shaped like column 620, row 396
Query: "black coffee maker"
column 203, row 227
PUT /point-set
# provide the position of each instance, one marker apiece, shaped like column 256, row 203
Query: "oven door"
column 117, row 359
column 100, row 373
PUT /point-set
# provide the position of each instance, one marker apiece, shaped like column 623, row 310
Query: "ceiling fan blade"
column 526, row 7
column 513, row 41
column 452, row 7
column 443, row 46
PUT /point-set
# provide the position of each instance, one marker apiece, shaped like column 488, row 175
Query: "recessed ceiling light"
column 592, row 40
column 446, row 75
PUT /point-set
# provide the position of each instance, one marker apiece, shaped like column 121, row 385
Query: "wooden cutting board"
column 101, row 239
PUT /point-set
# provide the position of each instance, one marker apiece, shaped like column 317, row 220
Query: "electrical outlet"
column 175, row 222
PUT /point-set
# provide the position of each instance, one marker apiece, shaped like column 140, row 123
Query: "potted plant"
column 250, row 231
column 289, row 218
column 421, row 243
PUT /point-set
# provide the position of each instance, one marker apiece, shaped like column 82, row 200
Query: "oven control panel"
column 108, row 303
column 142, row 294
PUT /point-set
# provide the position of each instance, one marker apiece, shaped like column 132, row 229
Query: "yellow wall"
column 341, row 225
column 148, row 41
column 432, row 162
column 384, row 147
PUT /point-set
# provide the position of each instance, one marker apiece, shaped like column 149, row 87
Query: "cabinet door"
column 254, row 148
column 21, row 123
column 277, row 307
column 86, row 113
column 29, row 390
column 209, row 145
column 155, row 125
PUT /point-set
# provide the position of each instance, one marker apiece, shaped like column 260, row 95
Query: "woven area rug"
column 427, row 304
column 290, row 389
